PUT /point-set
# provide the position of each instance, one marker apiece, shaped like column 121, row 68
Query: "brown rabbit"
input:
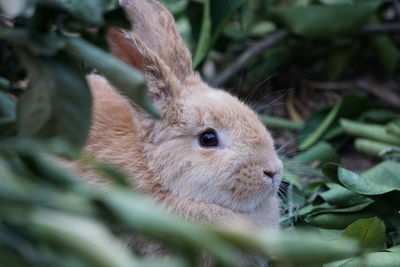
column 208, row 157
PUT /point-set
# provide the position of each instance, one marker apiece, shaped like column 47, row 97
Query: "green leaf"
column 322, row 152
column 7, row 114
column 324, row 22
column 86, row 237
column 16, row 8
column 394, row 128
column 326, row 208
column 88, row 11
column 338, row 220
column 221, row 12
column 141, row 215
column 370, row 233
column 116, row 17
column 379, row 115
column 375, row 259
column 45, row 44
column 385, row 48
column 387, row 52
column 215, row 14
column 349, row 106
column 340, row 196
column 271, row 61
column 175, row 6
column 293, row 247
column 381, row 179
column 313, row 138
column 339, row 59
column 204, row 41
column 57, row 104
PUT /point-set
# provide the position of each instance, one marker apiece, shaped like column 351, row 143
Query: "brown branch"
column 256, row 49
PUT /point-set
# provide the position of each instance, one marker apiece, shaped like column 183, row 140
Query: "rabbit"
column 208, row 157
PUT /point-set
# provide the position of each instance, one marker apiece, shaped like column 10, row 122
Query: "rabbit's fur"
column 163, row 158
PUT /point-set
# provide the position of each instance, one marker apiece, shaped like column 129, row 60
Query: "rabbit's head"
column 207, row 146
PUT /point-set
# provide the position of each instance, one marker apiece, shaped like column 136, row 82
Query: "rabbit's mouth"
column 247, row 194
column 252, row 186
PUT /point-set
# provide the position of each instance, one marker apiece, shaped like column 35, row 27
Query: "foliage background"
column 323, row 75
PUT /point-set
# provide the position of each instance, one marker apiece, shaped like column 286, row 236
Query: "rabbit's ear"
column 154, row 46
column 162, row 84
column 154, row 27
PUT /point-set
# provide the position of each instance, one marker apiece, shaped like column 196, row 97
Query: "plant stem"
column 370, row 147
column 371, row 131
column 275, row 122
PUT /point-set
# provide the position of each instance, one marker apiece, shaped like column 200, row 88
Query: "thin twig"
column 249, row 54
column 380, row 91
column 396, row 4
column 330, row 85
column 387, row 28
column 281, row 35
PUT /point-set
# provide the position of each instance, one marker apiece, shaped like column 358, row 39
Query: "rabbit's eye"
column 208, row 138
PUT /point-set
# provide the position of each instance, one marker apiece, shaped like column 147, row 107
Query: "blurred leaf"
column 373, row 148
column 7, row 114
column 215, row 15
column 276, row 122
column 379, row 115
column 88, row 11
column 175, row 6
column 394, row 128
column 57, row 104
column 262, row 29
column 46, row 44
column 116, row 17
column 336, row 2
column 370, row 233
column 339, row 59
column 16, row 8
column 385, row 49
column 322, row 152
column 126, row 78
column 141, row 215
column 86, row 237
column 383, row 258
column 387, row 52
column 373, row 131
column 221, row 12
column 338, row 220
column 272, row 60
column 312, row 138
column 349, row 106
column 204, row 41
column 321, row 22
column 290, row 247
